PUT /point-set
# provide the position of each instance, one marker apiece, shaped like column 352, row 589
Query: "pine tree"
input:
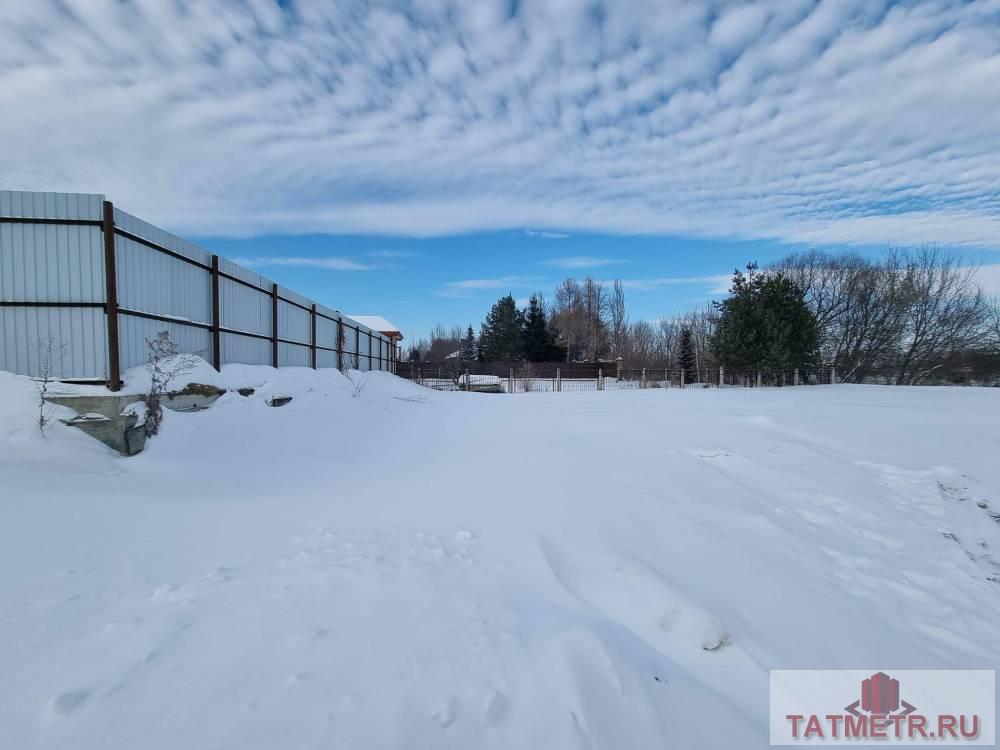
column 500, row 335
column 468, row 351
column 537, row 340
column 765, row 323
column 686, row 357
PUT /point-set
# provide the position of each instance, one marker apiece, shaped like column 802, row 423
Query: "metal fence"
column 98, row 282
column 556, row 378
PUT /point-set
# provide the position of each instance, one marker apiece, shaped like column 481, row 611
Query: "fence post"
column 619, row 368
column 468, row 383
column 558, row 380
column 682, row 377
column 340, row 343
column 833, row 376
column 600, row 378
column 369, row 350
column 795, row 377
column 357, row 348
column 274, row 325
column 510, row 381
column 642, row 382
column 216, row 335
column 758, row 378
column 312, row 344
column 111, row 297
column 722, row 374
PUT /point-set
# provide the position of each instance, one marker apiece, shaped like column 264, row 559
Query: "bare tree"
column 619, row 319
column 943, row 312
column 49, row 354
column 596, row 305
column 567, row 313
column 163, row 363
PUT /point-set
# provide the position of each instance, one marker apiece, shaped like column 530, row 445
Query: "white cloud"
column 835, row 121
column 546, row 235
column 581, row 261
column 468, row 287
column 717, row 284
column 328, row 263
column 988, row 278
column 393, row 254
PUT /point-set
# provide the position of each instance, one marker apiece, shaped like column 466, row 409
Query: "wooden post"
column 600, row 378
column 558, row 380
column 468, row 383
column 682, row 378
column 312, row 341
column 510, row 381
column 758, row 378
column 642, row 383
column 216, row 335
column 274, row 325
column 619, row 368
column 833, row 376
column 722, row 378
column 369, row 351
column 795, row 377
column 111, row 297
column 357, row 348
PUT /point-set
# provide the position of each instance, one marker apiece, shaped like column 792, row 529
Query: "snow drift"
column 376, row 565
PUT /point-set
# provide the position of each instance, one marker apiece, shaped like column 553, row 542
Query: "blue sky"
column 455, row 279
column 418, row 159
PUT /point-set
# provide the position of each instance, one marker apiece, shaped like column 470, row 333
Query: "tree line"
column 905, row 317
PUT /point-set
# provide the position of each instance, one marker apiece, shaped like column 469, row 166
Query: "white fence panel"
column 133, row 332
column 52, row 263
column 79, row 338
column 154, row 282
column 245, row 350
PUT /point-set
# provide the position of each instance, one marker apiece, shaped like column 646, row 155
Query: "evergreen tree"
column 537, row 339
column 685, row 357
column 500, row 335
column 765, row 323
column 468, row 351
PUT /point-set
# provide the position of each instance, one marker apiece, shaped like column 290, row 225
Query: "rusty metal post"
column 274, row 325
column 216, row 324
column 111, row 297
column 312, row 340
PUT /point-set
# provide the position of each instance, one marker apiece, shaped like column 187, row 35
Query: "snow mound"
column 378, row 565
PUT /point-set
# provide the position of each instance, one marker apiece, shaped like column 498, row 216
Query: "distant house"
column 380, row 324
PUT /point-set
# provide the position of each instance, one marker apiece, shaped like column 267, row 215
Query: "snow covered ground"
column 415, row 569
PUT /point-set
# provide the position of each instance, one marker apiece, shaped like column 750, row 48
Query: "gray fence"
column 98, row 282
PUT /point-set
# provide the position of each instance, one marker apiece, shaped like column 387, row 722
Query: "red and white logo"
column 955, row 707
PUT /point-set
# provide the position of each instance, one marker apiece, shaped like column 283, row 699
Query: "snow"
column 375, row 322
column 414, row 569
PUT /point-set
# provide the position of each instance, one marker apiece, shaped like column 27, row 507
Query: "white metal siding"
column 294, row 323
column 154, row 282
column 51, row 263
column 65, row 264
column 25, row 205
column 245, row 350
column 133, row 332
column 80, row 332
column 293, row 355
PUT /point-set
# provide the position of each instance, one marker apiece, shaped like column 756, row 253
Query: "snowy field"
column 417, row 569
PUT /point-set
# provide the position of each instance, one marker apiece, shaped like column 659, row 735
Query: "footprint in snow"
column 68, row 702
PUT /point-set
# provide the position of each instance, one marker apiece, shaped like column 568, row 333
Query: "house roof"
column 377, row 323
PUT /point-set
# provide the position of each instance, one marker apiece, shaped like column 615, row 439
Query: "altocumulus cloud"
column 846, row 121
